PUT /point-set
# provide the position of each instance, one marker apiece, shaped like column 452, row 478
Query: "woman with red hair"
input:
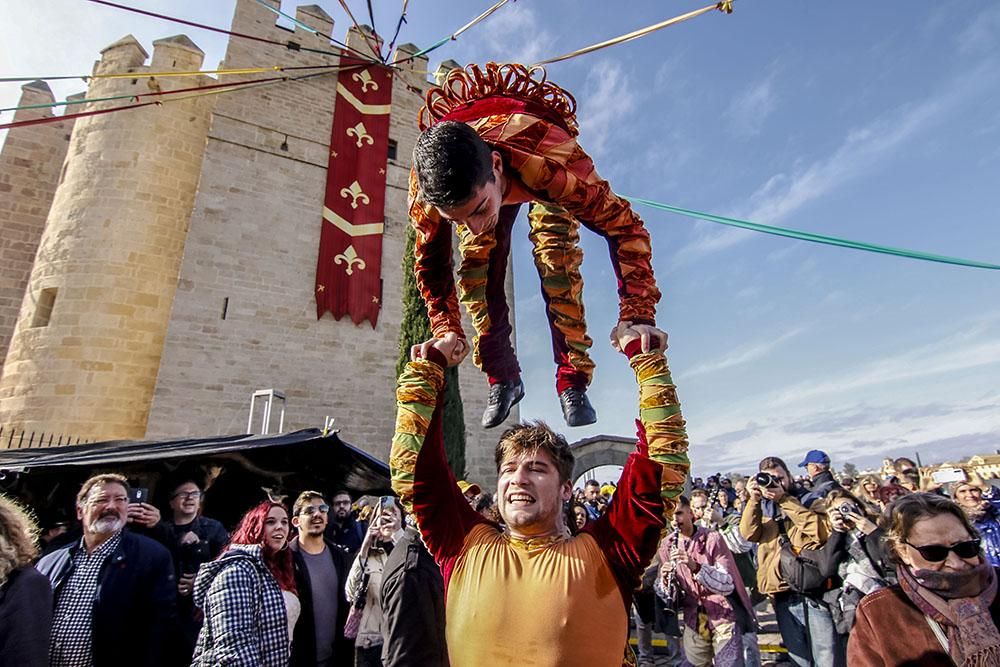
column 248, row 594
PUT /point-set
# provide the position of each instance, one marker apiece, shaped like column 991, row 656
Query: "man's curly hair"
column 534, row 436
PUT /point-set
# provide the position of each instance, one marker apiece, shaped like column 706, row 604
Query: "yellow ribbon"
column 723, row 5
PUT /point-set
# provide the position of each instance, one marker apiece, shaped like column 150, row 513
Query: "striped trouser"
column 481, row 276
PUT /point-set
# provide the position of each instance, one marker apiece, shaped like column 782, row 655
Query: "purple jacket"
column 707, row 548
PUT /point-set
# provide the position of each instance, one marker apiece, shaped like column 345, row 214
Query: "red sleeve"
column 432, row 265
column 443, row 513
column 629, row 532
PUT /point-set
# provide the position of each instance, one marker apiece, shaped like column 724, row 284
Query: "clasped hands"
column 455, row 348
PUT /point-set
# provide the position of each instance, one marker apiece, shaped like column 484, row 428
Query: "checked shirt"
column 71, row 624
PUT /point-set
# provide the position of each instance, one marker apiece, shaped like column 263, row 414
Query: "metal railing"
column 22, row 439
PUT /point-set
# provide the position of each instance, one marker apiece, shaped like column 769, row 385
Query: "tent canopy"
column 235, row 469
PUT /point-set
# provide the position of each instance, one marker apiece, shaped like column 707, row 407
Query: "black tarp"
column 236, row 468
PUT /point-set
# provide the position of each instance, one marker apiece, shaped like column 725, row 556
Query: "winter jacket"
column 806, row 530
column 890, row 630
column 245, row 620
column 304, row 642
column 25, row 619
column 348, row 535
column 370, row 631
column 988, row 526
column 134, row 608
column 413, row 607
column 823, row 484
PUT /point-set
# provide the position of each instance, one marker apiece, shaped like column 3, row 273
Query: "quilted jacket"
column 244, row 612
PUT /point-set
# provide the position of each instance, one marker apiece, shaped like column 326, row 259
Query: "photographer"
column 772, row 517
column 854, row 557
column 364, row 581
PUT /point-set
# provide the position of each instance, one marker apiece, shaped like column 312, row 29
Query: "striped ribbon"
column 444, row 40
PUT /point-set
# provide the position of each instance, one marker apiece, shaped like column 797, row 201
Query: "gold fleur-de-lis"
column 356, row 194
column 361, row 132
column 350, row 257
column 364, row 77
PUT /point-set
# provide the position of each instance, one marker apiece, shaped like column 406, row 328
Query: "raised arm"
column 421, row 476
column 432, row 265
column 654, row 474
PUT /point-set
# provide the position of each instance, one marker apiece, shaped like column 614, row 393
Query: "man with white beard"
column 114, row 591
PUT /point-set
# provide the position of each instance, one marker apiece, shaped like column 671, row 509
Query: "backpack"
column 800, row 571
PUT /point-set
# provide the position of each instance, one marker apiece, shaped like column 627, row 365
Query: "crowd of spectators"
column 317, row 583
column 833, row 557
column 843, row 563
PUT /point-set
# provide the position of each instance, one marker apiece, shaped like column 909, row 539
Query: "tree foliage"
column 414, row 328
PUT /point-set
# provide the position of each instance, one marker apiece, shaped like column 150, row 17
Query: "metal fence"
column 23, row 439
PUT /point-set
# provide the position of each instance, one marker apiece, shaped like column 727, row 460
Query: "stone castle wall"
column 252, row 248
column 30, row 164
column 180, row 249
column 86, row 349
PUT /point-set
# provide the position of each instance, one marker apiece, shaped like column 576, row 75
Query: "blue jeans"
column 807, row 631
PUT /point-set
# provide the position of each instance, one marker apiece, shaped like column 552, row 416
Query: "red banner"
column 349, row 270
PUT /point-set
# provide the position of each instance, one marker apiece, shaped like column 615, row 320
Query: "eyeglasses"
column 188, row 495
column 935, row 553
column 312, row 509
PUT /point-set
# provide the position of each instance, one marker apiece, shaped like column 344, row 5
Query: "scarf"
column 959, row 601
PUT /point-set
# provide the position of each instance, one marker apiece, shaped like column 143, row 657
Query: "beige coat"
column 806, row 530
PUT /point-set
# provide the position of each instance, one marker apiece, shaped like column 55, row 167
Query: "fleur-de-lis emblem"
column 356, row 194
column 350, row 257
column 364, row 77
column 361, row 132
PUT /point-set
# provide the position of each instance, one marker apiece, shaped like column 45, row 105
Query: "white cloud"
column 513, row 35
column 748, row 111
column 743, row 354
column 982, row 33
column 783, row 194
column 924, row 398
column 608, row 97
column 958, row 352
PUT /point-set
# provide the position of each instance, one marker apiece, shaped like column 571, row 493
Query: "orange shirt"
column 545, row 602
column 514, row 603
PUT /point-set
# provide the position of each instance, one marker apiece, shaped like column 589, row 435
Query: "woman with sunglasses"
column 364, row 581
column 945, row 610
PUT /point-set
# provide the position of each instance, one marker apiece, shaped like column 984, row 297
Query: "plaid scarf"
column 959, row 601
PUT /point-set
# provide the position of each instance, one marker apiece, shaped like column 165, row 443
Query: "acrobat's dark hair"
column 452, row 161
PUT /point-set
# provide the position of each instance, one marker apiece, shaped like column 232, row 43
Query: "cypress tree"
column 414, row 328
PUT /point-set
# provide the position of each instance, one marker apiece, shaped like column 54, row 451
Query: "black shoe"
column 576, row 407
column 503, row 396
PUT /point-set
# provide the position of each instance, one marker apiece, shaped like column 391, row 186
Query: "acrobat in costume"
column 532, row 124
column 548, row 602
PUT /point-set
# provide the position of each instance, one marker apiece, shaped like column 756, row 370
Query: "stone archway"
column 600, row 450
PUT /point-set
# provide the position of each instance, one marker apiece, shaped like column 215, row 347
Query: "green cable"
column 814, row 238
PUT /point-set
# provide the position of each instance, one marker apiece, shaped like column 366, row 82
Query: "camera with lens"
column 847, row 509
column 767, row 480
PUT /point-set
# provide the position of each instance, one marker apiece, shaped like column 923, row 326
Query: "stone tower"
column 85, row 351
column 226, row 304
column 30, row 164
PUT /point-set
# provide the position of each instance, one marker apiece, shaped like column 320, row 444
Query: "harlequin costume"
column 546, row 602
column 531, row 123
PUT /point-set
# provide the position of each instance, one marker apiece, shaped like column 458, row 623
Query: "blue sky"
column 851, row 119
